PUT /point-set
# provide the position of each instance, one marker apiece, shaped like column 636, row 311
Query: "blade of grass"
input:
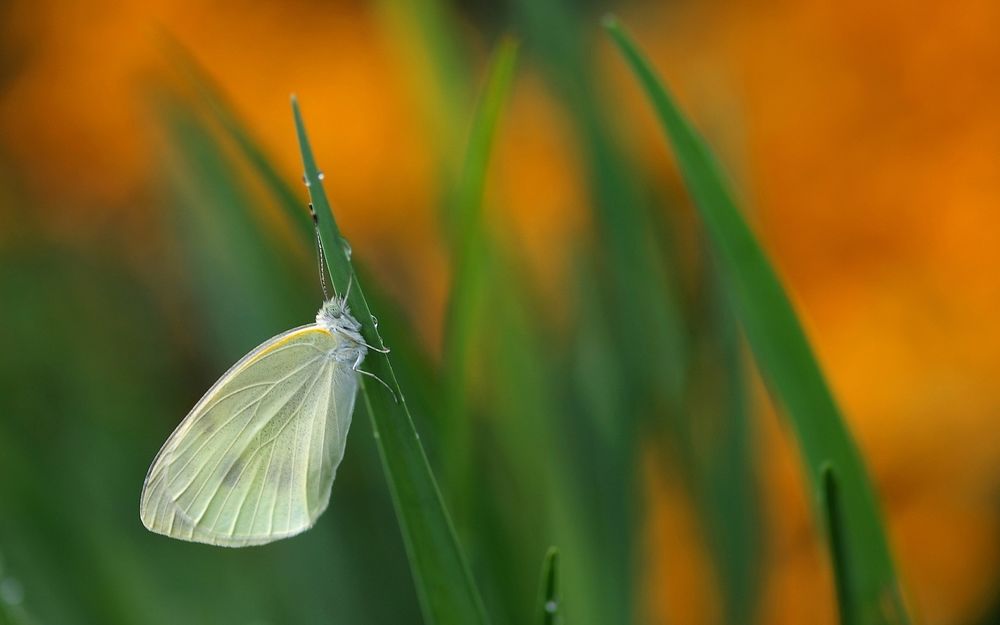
column 549, row 591
column 467, row 213
column 784, row 356
column 447, row 592
column 835, row 530
column 468, row 240
column 729, row 487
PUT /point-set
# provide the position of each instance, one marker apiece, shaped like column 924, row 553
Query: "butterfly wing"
column 255, row 459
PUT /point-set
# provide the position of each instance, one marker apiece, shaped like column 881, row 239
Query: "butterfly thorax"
column 336, row 318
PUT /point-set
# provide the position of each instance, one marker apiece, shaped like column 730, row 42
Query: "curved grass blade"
column 549, row 592
column 468, row 241
column 447, row 592
column 467, row 214
column 782, row 351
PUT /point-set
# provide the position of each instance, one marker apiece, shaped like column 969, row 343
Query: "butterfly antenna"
column 321, row 255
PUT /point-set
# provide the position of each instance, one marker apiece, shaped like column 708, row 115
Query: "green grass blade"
column 468, row 240
column 719, row 454
column 835, row 532
column 549, row 590
column 782, row 351
column 447, row 592
column 499, row 79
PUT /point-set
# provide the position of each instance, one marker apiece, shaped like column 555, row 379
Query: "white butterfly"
column 254, row 460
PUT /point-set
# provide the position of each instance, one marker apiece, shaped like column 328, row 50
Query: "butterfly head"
column 336, row 317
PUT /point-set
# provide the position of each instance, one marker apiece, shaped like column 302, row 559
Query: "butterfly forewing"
column 255, row 459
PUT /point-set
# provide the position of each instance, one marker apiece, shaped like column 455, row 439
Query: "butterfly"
column 254, row 460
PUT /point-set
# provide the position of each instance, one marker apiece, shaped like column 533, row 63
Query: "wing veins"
column 219, row 400
column 237, row 437
column 239, row 477
column 218, row 462
column 291, row 473
column 281, row 430
column 270, row 458
column 322, row 445
column 251, row 358
column 213, row 434
column 239, row 509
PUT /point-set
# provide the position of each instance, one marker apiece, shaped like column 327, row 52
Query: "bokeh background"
column 863, row 140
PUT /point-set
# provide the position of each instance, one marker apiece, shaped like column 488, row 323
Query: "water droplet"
column 347, row 247
column 374, row 321
column 321, row 175
column 305, row 180
column 551, row 607
column 11, row 591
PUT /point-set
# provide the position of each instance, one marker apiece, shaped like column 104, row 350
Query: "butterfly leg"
column 357, row 367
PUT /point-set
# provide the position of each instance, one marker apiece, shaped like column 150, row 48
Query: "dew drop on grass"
column 305, row 180
column 374, row 321
column 320, row 175
column 347, row 247
column 551, row 607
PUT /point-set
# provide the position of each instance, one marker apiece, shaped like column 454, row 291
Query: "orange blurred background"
column 863, row 138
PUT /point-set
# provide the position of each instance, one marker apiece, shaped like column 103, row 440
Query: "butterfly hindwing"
column 255, row 459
